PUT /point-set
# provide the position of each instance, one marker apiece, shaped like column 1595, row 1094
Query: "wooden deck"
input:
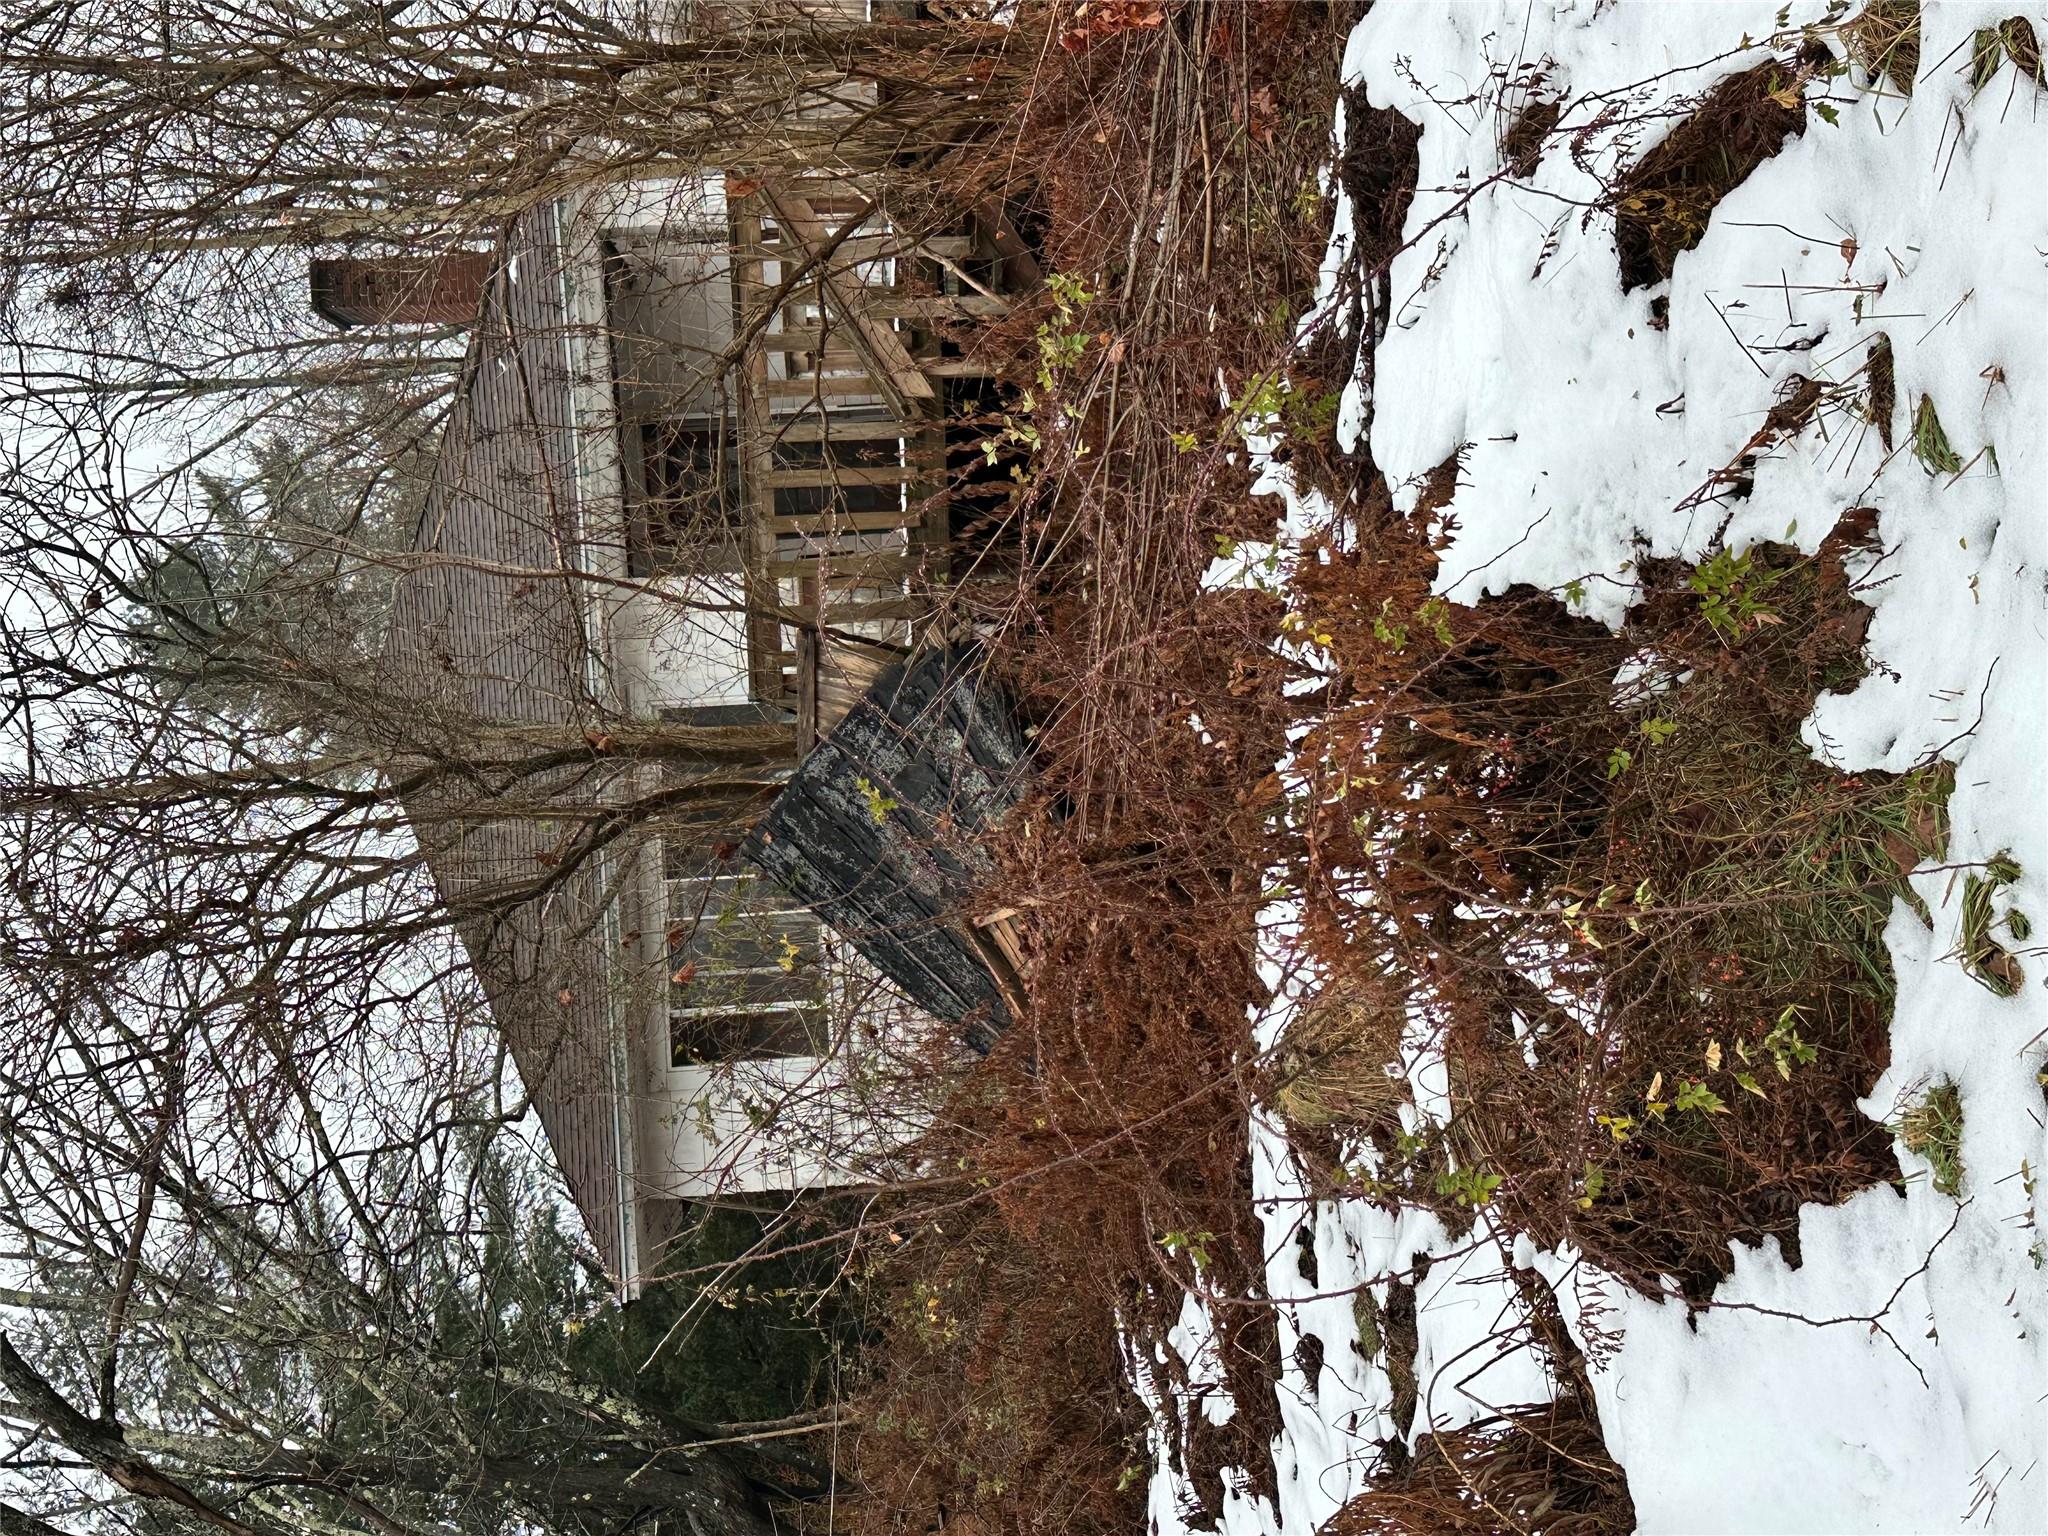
column 841, row 405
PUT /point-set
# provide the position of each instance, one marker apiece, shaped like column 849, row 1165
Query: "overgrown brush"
column 1645, row 922
column 1096, row 1166
column 1663, row 202
column 1541, row 1470
column 1518, row 1471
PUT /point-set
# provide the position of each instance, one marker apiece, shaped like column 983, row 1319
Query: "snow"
column 1896, row 1380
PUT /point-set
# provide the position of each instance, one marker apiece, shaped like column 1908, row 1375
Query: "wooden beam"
column 865, row 567
column 835, row 386
column 829, row 523
column 883, row 348
column 834, row 476
column 810, row 427
column 764, row 672
column 959, row 368
column 963, row 306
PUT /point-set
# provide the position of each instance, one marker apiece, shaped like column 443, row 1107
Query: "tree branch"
column 103, row 1444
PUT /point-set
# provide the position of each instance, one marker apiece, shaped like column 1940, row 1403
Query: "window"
column 689, row 514
column 745, row 979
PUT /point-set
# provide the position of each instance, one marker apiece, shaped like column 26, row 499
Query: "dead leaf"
column 1265, row 792
column 1107, row 19
column 1903, row 853
column 2001, row 965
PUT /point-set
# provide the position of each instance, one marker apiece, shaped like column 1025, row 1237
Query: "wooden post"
column 750, row 290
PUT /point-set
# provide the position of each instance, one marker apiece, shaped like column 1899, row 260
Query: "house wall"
column 680, row 641
column 838, row 1117
column 668, row 642
column 682, row 644
column 820, row 425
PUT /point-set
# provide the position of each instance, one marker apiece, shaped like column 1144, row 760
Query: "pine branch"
column 102, row 1443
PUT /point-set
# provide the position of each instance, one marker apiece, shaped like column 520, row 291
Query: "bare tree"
column 268, row 1265
column 313, row 1324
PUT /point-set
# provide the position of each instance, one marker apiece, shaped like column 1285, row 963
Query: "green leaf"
column 1698, row 1096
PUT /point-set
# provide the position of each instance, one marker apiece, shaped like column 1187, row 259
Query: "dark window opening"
column 690, row 513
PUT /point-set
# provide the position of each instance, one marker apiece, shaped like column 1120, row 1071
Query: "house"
column 696, row 494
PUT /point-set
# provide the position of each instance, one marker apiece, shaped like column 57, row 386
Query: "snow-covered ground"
column 1898, row 1379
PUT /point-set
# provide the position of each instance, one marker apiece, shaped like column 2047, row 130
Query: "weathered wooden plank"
column 884, row 349
column 833, row 476
column 863, row 567
column 964, row 306
column 804, row 337
column 834, row 427
column 894, row 245
column 764, row 676
column 806, row 692
column 958, row 368
column 842, row 615
column 837, row 524
column 826, row 386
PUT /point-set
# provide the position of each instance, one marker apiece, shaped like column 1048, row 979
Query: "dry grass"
column 1885, row 40
column 1663, row 202
column 1331, row 1068
column 1521, row 147
column 2016, row 36
column 1880, row 373
column 1097, row 1162
column 1541, row 1470
column 1931, row 1128
column 1989, row 962
column 1704, row 901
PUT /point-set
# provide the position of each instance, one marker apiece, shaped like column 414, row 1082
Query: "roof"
column 879, row 832
column 487, row 637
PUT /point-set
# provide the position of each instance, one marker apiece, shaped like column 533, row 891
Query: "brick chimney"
column 447, row 289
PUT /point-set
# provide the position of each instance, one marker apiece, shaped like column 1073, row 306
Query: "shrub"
column 724, row 1337
column 1702, row 903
